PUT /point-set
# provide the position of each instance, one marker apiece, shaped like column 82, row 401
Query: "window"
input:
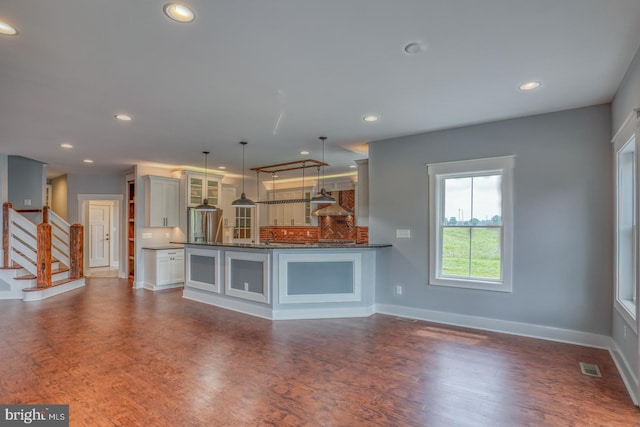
column 471, row 223
column 626, row 219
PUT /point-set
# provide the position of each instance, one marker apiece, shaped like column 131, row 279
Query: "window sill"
column 627, row 310
column 471, row 284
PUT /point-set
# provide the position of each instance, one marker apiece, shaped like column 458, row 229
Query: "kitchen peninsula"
column 285, row 280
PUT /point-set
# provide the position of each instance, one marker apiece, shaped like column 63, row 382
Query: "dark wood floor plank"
column 123, row 357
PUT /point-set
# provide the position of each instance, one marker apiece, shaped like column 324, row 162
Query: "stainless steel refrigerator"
column 204, row 225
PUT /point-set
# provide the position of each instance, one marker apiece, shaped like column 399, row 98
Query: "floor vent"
column 405, row 319
column 590, row 369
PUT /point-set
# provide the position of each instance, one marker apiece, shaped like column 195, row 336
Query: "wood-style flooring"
column 123, row 357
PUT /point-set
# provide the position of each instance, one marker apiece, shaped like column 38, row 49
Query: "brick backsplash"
column 309, row 234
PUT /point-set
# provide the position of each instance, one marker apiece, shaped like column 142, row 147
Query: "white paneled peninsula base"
column 284, row 281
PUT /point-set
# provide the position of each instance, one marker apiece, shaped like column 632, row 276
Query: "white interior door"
column 99, row 227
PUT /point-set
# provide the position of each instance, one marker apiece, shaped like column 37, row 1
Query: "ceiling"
column 281, row 73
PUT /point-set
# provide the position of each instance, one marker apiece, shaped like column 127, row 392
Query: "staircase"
column 41, row 260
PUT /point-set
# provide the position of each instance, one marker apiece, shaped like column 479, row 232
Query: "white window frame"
column 437, row 173
column 630, row 130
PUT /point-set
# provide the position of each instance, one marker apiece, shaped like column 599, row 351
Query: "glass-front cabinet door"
column 196, row 189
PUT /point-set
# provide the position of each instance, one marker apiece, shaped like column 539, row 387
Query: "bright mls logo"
column 35, row 415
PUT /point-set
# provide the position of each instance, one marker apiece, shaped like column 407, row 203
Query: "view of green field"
column 484, row 245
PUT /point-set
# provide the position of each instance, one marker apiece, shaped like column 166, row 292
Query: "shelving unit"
column 131, row 230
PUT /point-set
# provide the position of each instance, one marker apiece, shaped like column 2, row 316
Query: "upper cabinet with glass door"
column 196, row 187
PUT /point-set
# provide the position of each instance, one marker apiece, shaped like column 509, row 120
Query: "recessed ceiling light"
column 352, row 166
column 66, row 145
column 7, row 29
column 222, row 167
column 304, row 152
column 179, row 12
column 371, row 118
column 123, row 117
column 530, row 85
column 415, row 48
column 88, row 161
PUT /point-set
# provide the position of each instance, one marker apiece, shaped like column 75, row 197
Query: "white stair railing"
column 59, row 238
column 22, row 242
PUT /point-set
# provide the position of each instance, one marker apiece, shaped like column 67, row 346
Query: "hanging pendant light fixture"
column 322, row 196
column 243, row 202
column 205, row 202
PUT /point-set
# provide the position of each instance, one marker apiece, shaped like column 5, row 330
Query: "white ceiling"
column 281, row 73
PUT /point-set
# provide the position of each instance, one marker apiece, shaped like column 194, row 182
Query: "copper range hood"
column 334, row 209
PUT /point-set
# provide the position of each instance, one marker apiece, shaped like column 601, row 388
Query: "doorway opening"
column 101, row 219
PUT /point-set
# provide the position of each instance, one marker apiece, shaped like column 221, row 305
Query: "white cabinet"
column 196, row 188
column 288, row 214
column 163, row 268
column 161, row 201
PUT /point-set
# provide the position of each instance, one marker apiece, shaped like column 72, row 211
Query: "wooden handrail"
column 28, row 210
column 5, row 233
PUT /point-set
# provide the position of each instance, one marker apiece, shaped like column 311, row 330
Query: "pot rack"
column 283, row 167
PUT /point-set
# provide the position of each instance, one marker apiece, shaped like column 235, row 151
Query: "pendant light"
column 243, row 202
column 205, row 202
column 322, row 196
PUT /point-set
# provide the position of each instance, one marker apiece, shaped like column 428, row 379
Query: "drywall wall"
column 626, row 339
column 59, row 200
column 26, row 182
column 91, row 184
column 562, row 218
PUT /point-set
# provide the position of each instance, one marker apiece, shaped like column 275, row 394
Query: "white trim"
column 625, row 371
column 227, row 303
column 209, row 253
column 263, row 258
column 437, row 172
column 323, row 313
column 496, row 325
column 283, row 280
column 53, row 290
column 633, row 115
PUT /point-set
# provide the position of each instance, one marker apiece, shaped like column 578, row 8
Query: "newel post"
column 5, row 233
column 43, row 256
column 45, row 214
column 76, row 251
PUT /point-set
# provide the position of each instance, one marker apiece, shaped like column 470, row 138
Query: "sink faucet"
column 270, row 236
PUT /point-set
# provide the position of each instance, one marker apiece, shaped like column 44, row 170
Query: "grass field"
column 484, row 244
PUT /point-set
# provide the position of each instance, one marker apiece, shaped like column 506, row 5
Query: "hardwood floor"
column 123, row 357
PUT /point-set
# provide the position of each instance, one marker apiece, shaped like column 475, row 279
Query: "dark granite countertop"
column 291, row 245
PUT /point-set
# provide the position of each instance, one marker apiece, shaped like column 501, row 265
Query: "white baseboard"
column 230, row 304
column 52, row 291
column 323, row 313
column 627, row 374
column 505, row 326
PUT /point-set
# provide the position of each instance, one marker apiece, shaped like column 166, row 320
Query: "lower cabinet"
column 163, row 268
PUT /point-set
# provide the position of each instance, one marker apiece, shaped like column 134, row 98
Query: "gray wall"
column 628, row 95
column 91, row 184
column 627, row 99
column 59, row 196
column 562, row 218
column 27, row 180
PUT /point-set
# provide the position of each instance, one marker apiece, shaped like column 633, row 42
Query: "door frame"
column 117, row 211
